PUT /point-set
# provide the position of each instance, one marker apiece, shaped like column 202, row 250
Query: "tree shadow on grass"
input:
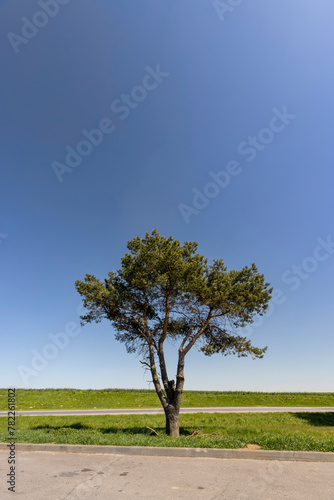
column 78, row 426
column 103, row 430
column 144, row 430
column 325, row 419
column 131, row 430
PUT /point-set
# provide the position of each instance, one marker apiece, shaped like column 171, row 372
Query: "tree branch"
column 186, row 337
column 143, row 363
column 199, row 333
column 155, row 379
column 137, row 325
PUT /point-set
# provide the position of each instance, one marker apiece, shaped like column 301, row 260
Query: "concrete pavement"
column 74, row 476
column 152, row 411
column 176, row 451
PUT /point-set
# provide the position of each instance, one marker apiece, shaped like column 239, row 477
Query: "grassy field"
column 280, row 431
column 51, row 399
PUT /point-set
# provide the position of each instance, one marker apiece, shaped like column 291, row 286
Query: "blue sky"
column 243, row 93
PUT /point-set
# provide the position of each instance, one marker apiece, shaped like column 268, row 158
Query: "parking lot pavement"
column 74, row 476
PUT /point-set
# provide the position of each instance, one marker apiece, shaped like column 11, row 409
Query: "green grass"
column 49, row 399
column 280, row 431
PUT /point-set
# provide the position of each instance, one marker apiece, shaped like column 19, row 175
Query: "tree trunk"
column 174, row 395
column 172, row 414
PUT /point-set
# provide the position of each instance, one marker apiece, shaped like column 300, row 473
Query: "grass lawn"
column 281, row 431
column 51, row 399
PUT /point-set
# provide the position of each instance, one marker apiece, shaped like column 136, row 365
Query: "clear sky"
column 211, row 123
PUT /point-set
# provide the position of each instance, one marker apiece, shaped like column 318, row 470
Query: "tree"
column 165, row 290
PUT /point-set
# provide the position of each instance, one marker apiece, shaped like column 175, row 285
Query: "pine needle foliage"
column 168, row 290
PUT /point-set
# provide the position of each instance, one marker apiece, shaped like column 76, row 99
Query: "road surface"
column 74, row 476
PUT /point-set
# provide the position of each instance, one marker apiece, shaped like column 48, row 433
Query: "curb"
column 297, row 456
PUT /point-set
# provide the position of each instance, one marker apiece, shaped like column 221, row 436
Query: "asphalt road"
column 152, row 411
column 74, row 476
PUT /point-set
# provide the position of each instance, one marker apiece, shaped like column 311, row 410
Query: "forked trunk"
column 172, row 421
